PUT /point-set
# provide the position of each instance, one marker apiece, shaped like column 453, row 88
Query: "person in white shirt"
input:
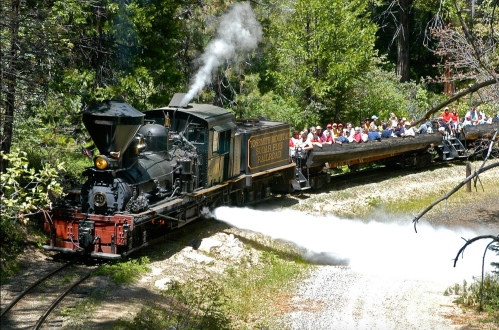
column 408, row 129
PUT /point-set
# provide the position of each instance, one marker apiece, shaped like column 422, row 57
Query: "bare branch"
column 471, row 89
column 456, row 188
column 468, row 242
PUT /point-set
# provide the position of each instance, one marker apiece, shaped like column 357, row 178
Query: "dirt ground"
column 354, row 300
column 367, row 303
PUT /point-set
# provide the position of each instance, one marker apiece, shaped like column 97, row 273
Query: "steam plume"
column 376, row 247
column 238, row 34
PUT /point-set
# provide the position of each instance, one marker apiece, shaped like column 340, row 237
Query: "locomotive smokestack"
column 112, row 125
column 238, row 34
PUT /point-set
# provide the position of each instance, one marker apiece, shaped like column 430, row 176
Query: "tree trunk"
column 10, row 77
column 448, row 83
column 403, row 68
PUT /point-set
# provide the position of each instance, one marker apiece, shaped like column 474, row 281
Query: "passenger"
column 473, row 114
column 409, row 131
column 467, row 121
column 447, row 120
column 367, row 123
column 349, row 133
column 349, row 127
column 342, row 138
column 340, row 128
column 320, row 134
column 329, row 128
column 357, row 137
column 455, row 121
column 305, row 142
column 386, row 132
column 430, row 127
column 313, row 131
column 480, row 121
column 295, row 141
column 441, row 130
column 496, row 118
column 374, row 118
column 442, row 123
column 373, row 133
column 423, row 129
column 362, row 126
column 402, row 121
column 305, row 130
column 328, row 139
column 316, row 141
column 393, row 120
column 365, row 134
column 335, row 131
column 399, row 130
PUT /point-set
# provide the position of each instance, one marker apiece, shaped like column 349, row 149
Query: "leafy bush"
column 471, row 295
column 23, row 190
column 125, row 272
column 191, row 306
column 380, row 93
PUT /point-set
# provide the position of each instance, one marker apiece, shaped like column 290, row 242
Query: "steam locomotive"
column 166, row 167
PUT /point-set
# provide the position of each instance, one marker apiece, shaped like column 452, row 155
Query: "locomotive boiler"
column 163, row 168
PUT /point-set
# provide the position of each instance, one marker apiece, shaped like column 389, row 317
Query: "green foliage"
column 53, row 133
column 470, row 295
column 380, row 93
column 251, row 103
column 320, row 50
column 125, row 272
column 78, row 315
column 25, row 190
column 197, row 305
column 276, row 273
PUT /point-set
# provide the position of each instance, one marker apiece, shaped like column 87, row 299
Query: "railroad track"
column 31, row 307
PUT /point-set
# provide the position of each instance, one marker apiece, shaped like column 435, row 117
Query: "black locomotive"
column 163, row 168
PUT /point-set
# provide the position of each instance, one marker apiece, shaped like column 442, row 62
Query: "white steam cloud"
column 239, row 33
column 374, row 247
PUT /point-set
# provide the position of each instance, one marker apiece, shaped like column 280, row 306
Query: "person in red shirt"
column 446, row 115
column 455, row 121
column 316, row 140
column 328, row 139
column 357, row 137
column 446, row 120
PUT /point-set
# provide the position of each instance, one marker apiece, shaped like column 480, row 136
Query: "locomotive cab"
column 209, row 131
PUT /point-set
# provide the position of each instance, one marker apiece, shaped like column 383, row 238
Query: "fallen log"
column 373, row 149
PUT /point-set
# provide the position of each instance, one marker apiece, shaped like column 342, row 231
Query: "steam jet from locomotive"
column 161, row 169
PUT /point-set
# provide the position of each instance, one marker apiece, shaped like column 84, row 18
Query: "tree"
column 471, row 49
column 319, row 50
column 402, row 36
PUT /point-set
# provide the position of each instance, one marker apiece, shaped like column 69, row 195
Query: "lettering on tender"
column 268, row 148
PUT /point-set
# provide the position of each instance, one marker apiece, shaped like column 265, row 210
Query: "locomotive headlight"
column 101, row 162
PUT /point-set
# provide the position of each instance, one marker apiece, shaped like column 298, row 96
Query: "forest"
column 313, row 62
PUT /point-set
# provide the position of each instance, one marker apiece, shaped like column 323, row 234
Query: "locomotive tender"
column 161, row 169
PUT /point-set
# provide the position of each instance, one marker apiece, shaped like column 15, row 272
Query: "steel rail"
column 23, row 293
column 60, row 297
